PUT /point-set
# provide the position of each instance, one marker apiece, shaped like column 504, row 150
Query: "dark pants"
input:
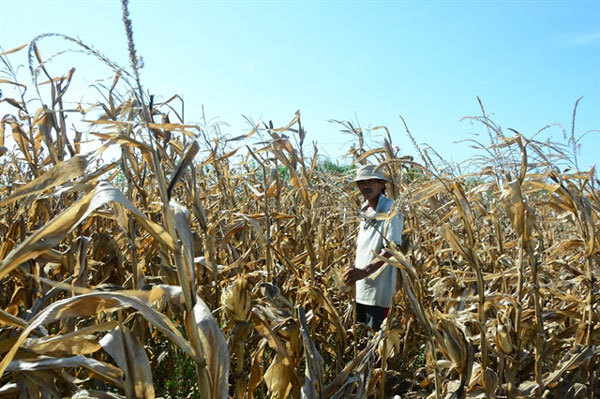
column 371, row 315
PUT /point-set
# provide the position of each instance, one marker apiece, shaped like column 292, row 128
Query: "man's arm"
column 353, row 275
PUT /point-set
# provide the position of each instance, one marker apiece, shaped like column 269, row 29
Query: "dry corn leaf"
column 185, row 161
column 59, row 174
column 573, row 359
column 215, row 349
column 10, row 82
column 23, row 143
column 14, row 50
column 350, row 368
column 93, row 394
column 91, row 305
column 274, row 341
column 279, row 377
column 313, row 375
column 184, row 233
column 11, row 320
column 454, row 242
column 105, row 370
column 464, row 206
column 368, row 154
column 10, row 390
column 50, row 235
column 166, row 126
column 256, row 369
column 64, row 346
column 79, row 342
column 131, row 357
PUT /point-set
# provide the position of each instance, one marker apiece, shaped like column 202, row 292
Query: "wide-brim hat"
column 368, row 172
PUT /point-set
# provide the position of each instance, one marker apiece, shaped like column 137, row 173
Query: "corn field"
column 198, row 265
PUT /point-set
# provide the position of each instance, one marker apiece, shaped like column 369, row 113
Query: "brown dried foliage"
column 232, row 254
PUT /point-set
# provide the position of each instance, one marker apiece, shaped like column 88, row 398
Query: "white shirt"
column 377, row 291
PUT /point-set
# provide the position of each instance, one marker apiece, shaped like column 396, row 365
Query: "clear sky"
column 364, row 61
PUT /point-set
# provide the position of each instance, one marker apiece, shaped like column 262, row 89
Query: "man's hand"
column 351, row 276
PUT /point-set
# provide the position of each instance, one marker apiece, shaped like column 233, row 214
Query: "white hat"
column 368, row 172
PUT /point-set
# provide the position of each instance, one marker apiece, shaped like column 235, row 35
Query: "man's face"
column 371, row 189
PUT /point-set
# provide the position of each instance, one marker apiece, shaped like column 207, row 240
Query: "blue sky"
column 367, row 62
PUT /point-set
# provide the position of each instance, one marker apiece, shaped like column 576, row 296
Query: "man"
column 374, row 295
